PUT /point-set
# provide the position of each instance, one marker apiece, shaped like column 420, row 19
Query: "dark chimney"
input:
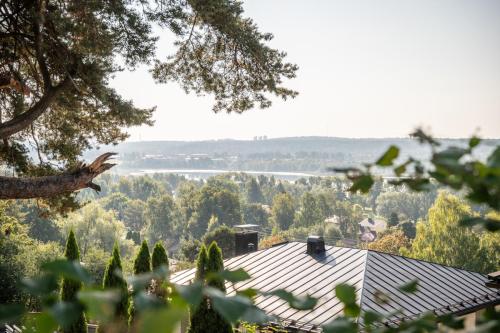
column 315, row 245
column 245, row 240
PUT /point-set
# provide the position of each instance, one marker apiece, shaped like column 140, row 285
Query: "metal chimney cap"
column 315, row 238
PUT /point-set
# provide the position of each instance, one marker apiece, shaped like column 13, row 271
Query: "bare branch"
column 52, row 186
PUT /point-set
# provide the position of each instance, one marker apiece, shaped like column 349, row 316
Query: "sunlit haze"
column 367, row 69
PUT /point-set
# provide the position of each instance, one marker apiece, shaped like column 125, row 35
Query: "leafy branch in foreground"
column 155, row 316
column 453, row 167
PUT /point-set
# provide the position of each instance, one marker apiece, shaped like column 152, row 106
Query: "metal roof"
column 441, row 289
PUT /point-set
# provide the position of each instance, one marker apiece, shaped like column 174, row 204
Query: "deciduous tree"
column 283, row 211
column 442, row 240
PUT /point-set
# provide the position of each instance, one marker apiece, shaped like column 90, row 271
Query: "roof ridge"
column 427, row 261
column 363, row 286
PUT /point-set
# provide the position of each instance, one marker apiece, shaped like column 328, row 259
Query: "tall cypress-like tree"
column 113, row 280
column 142, row 264
column 214, row 321
column 159, row 256
column 71, row 287
column 198, row 318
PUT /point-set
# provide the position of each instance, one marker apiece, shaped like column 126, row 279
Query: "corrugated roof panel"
column 438, row 286
column 288, row 266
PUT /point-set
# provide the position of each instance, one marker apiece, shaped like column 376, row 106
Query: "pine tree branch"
column 25, row 119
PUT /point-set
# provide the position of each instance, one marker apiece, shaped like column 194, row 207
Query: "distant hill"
column 301, row 154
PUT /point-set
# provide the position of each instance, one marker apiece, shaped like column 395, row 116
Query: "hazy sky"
column 367, row 69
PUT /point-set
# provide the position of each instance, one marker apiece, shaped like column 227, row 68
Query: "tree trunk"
column 51, row 186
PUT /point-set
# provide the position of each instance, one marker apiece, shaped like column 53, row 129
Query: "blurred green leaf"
column 232, row 308
column 237, row 275
column 423, row 137
column 345, row 293
column 362, row 183
column 68, row 269
column 370, row 317
column 452, row 321
column 494, row 159
column 388, row 157
column 100, row 305
column 164, row 320
column 65, row 313
column 10, row 312
column 340, row 325
column 192, row 293
column 41, row 285
column 301, row 302
column 39, row 323
column 410, row 287
column 474, row 141
column 144, row 301
column 250, row 292
column 255, row 315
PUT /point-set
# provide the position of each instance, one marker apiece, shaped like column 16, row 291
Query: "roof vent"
column 315, row 245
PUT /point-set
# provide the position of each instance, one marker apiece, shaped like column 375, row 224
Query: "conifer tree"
column 214, row 321
column 215, row 264
column 71, row 287
column 159, row 256
column 113, row 281
column 198, row 318
column 142, row 264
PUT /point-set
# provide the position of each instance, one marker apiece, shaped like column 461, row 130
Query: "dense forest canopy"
column 57, row 59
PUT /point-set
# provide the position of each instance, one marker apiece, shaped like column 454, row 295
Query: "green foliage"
column 162, row 218
column 142, row 262
column 393, row 220
column 70, row 287
column 159, row 256
column 95, row 227
column 409, row 229
column 215, row 264
column 189, row 249
column 254, row 194
column 255, row 214
column 159, row 260
column 407, row 205
column 443, row 240
column 215, row 199
column 223, row 236
column 393, row 241
column 309, row 213
column 201, row 264
column 113, row 279
column 13, row 236
column 199, row 314
column 282, row 211
column 453, row 166
column 76, row 54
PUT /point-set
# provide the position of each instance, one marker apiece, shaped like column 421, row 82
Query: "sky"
column 367, row 69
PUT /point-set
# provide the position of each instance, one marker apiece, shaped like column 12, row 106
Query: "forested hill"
column 304, row 154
